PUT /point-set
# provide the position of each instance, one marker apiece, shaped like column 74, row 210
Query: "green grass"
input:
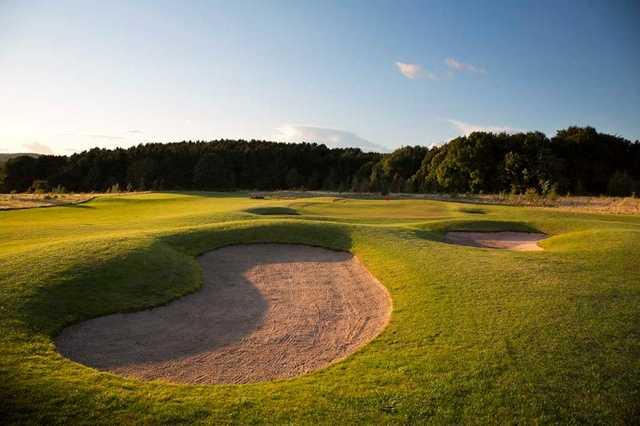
column 476, row 335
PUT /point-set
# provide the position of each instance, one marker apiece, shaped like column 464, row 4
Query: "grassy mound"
column 475, row 336
column 275, row 211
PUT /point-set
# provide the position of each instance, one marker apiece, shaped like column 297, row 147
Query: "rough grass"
column 599, row 204
column 476, row 335
column 586, row 204
column 27, row 201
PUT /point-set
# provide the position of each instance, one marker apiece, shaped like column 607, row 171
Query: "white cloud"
column 38, row 148
column 134, row 131
column 465, row 129
column 462, row 67
column 414, row 71
column 92, row 136
column 110, row 137
column 332, row 138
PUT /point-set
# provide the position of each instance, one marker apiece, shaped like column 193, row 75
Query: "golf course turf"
column 264, row 312
column 476, row 335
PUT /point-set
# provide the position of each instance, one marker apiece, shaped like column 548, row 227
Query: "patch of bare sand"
column 266, row 311
column 519, row 241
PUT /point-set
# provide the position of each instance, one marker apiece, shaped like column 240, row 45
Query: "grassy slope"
column 476, row 335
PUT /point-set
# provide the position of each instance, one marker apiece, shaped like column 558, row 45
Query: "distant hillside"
column 6, row 157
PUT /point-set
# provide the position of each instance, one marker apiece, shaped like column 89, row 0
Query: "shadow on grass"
column 436, row 231
column 481, row 226
column 82, row 205
column 196, row 242
column 472, row 210
column 266, row 211
column 110, row 280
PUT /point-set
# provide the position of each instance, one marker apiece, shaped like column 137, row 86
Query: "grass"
column 273, row 211
column 598, row 204
column 476, row 335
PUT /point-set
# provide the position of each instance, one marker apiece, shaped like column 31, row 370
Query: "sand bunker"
column 520, row 241
column 266, row 311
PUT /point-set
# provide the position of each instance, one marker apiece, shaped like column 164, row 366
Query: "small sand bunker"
column 520, row 241
column 266, row 311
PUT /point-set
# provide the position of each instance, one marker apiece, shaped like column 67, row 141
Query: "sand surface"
column 266, row 311
column 520, row 241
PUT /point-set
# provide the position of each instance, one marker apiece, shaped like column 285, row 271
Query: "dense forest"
column 575, row 161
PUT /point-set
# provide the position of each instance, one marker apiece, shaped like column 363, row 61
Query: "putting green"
column 475, row 336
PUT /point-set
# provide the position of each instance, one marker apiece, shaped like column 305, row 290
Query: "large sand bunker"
column 265, row 311
column 520, row 241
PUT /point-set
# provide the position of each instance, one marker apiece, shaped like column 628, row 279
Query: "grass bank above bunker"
column 518, row 241
column 266, row 311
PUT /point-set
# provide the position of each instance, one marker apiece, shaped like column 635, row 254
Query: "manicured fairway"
column 476, row 335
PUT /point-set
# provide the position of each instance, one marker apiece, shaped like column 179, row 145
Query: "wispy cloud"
column 96, row 136
column 414, row 71
column 38, row 148
column 92, row 136
column 333, row 138
column 134, row 131
column 465, row 129
column 458, row 66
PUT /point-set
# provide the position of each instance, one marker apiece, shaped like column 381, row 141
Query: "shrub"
column 531, row 195
column 620, row 184
column 39, row 186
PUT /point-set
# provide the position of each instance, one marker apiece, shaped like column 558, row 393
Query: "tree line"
column 577, row 160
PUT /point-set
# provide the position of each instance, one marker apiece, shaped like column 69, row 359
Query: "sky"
column 373, row 74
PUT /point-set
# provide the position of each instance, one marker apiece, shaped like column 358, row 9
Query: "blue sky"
column 78, row 74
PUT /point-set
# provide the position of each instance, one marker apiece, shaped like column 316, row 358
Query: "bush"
column 551, row 192
column 39, row 187
column 621, row 185
column 115, row 188
column 531, row 195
